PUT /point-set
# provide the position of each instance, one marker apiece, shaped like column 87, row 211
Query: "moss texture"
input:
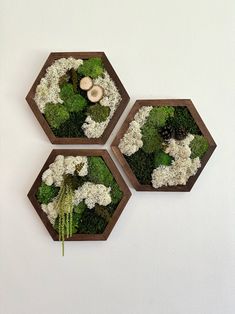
column 183, row 119
column 72, row 127
column 199, row 146
column 98, row 112
column 142, row 164
column 46, row 193
column 162, row 159
column 56, row 114
column 72, row 102
column 91, row 223
column 99, row 173
column 92, row 67
column 150, row 135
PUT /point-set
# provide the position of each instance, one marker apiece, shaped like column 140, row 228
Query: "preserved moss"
column 183, row 119
column 142, row 164
column 199, row 146
column 92, row 67
column 46, row 193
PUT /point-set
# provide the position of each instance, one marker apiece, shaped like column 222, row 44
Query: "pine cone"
column 180, row 134
column 167, row 132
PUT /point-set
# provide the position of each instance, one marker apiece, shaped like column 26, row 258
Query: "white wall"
column 169, row 253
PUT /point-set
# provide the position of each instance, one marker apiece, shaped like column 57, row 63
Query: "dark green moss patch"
column 183, row 119
column 142, row 164
column 91, row 223
column 72, row 127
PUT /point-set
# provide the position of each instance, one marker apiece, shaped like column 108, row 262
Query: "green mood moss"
column 99, row 173
column 156, row 119
column 98, row 112
column 92, row 67
column 72, row 102
column 142, row 164
column 183, row 119
column 161, row 158
column 46, row 193
column 56, row 114
column 199, row 146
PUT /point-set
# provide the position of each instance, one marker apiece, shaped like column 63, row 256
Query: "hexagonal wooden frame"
column 81, row 152
column 162, row 102
column 78, row 140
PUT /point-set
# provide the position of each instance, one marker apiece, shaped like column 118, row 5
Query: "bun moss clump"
column 142, row 164
column 92, row 67
column 56, row 114
column 98, row 112
column 72, row 102
column 156, row 119
column 46, row 193
column 99, row 173
column 199, row 146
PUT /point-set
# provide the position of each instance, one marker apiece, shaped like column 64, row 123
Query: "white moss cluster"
column 51, row 210
column 181, row 169
column 64, row 165
column 111, row 99
column 92, row 194
column 48, row 90
column 132, row 139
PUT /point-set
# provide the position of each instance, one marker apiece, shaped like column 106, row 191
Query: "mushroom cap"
column 95, row 93
column 86, row 83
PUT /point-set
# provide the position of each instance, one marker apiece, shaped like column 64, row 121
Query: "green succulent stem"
column 65, row 209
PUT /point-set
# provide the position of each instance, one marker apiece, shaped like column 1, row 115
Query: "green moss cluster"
column 92, row 67
column 162, row 159
column 199, row 146
column 46, row 193
column 156, row 119
column 99, row 173
column 142, row 164
column 56, row 114
column 98, row 112
column 72, row 102
column 159, row 115
column 183, row 119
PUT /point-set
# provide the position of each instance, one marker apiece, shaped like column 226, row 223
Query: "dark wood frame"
column 162, row 102
column 81, row 152
column 79, row 140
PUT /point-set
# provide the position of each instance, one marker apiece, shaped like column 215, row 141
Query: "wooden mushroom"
column 95, row 93
column 86, row 83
